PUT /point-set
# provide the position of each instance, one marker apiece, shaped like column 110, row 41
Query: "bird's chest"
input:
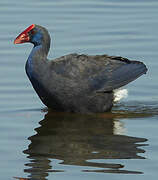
column 29, row 67
column 36, row 75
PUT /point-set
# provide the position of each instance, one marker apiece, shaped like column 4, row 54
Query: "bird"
column 78, row 83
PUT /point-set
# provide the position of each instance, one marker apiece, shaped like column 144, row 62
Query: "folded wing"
column 101, row 73
column 117, row 75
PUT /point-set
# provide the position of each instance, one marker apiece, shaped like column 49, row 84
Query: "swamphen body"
column 75, row 83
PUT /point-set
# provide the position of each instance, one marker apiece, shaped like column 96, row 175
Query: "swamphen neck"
column 37, row 61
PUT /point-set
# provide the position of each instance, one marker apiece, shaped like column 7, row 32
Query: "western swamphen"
column 75, row 83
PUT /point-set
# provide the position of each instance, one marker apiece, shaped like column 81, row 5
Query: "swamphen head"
column 34, row 34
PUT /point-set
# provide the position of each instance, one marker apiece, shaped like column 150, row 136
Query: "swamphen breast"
column 75, row 83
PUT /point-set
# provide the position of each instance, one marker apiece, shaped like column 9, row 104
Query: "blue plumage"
column 75, row 83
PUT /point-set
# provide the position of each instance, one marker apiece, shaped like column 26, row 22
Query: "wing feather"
column 100, row 73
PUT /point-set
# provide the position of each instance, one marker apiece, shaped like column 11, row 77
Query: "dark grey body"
column 78, row 83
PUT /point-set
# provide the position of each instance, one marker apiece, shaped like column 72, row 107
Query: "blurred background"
column 37, row 144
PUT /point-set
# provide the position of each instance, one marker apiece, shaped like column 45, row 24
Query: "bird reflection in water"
column 77, row 140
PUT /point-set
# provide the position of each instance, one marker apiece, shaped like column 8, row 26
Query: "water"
column 37, row 144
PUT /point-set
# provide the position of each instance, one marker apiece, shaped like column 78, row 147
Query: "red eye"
column 32, row 32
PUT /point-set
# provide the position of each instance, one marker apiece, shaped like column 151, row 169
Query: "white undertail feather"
column 120, row 94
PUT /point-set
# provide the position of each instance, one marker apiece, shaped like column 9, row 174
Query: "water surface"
column 40, row 144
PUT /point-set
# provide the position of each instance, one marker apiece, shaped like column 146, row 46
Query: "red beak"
column 24, row 36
